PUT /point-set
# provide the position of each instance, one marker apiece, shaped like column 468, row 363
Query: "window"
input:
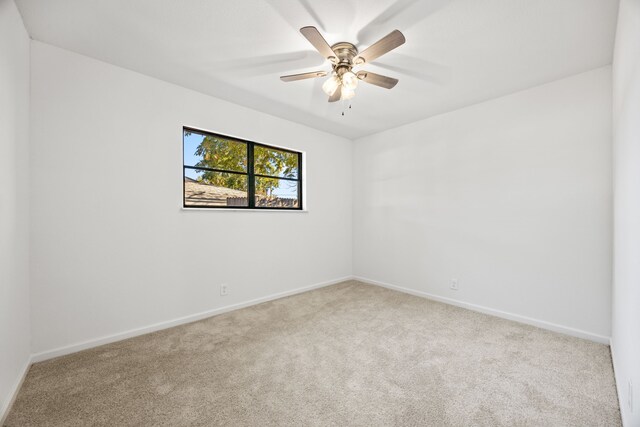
column 224, row 172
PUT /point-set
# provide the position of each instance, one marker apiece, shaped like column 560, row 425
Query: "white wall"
column 512, row 197
column 111, row 248
column 14, row 201
column 625, row 340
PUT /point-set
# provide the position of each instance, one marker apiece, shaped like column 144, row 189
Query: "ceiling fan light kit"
column 344, row 56
column 349, row 81
column 347, row 94
column 331, row 84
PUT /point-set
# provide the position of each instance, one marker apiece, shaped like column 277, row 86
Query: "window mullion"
column 252, row 181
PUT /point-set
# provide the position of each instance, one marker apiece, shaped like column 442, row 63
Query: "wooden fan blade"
column 377, row 79
column 315, row 38
column 382, row 46
column 336, row 95
column 302, row 76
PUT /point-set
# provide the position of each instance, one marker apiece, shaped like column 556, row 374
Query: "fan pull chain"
column 344, row 109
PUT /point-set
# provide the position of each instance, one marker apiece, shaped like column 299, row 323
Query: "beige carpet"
column 349, row 354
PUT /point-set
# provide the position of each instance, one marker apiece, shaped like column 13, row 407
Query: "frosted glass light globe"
column 330, row 86
column 349, row 80
column 347, row 94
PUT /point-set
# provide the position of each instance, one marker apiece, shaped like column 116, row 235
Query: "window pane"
column 206, row 188
column 276, row 193
column 272, row 162
column 216, row 152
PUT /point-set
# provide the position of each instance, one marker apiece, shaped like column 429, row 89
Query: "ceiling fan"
column 344, row 57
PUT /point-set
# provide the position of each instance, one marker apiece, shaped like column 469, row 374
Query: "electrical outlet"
column 454, row 284
column 630, row 397
column 224, row 290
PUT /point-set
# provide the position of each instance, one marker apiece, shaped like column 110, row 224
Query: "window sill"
column 245, row 210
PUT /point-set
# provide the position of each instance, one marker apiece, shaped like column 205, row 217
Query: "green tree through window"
column 222, row 153
column 272, row 162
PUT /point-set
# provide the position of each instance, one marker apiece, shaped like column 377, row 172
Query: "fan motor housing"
column 345, row 52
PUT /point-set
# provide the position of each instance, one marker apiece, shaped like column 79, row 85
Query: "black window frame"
column 250, row 173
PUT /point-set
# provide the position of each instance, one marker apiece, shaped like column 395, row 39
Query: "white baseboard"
column 73, row 348
column 618, row 382
column 4, row 411
column 498, row 313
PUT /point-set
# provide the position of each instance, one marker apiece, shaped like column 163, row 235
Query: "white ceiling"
column 458, row 52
